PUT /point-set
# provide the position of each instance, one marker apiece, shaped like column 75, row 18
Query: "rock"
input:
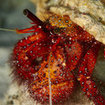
column 86, row 13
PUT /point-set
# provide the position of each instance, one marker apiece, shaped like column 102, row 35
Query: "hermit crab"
column 58, row 54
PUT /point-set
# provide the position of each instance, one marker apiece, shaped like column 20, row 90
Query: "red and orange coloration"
column 62, row 49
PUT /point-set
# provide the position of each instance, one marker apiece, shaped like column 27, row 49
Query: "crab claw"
column 28, row 50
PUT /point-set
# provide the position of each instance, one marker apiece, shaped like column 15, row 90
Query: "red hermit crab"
column 57, row 55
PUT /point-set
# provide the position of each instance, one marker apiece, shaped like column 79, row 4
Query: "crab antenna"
column 5, row 29
column 32, row 17
column 49, row 78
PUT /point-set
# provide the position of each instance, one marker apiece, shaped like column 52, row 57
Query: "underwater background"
column 11, row 17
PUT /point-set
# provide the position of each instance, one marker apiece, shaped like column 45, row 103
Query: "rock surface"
column 89, row 14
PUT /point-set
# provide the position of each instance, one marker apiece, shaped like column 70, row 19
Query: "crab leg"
column 85, row 71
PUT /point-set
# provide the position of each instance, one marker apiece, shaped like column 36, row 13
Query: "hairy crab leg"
column 84, row 75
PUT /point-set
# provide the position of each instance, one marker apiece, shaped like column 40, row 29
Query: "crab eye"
column 32, row 17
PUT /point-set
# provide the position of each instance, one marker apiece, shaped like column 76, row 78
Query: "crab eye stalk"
column 32, row 17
